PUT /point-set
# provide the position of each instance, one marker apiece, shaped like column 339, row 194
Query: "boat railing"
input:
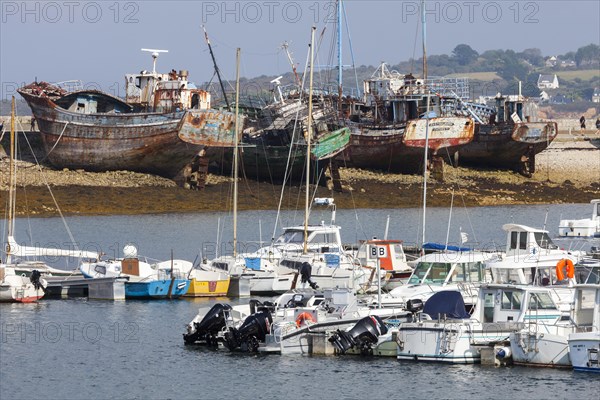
column 72, row 85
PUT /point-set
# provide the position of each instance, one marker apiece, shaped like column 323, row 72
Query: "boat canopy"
column 438, row 246
column 449, row 303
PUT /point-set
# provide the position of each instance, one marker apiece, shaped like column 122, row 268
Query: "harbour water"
column 78, row 348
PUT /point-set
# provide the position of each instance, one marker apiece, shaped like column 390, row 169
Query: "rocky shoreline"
column 567, row 172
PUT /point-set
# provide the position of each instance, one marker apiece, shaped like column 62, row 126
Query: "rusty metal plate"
column 443, row 132
column 209, row 128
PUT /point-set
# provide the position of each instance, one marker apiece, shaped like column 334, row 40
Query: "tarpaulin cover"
column 449, row 302
column 438, row 246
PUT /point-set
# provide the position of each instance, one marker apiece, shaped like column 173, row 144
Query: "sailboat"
column 13, row 287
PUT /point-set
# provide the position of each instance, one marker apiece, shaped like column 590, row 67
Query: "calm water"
column 93, row 349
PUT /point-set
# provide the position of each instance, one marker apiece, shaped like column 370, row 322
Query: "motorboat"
column 582, row 228
column 584, row 343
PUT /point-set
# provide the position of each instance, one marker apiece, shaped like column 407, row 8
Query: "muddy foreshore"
column 567, row 172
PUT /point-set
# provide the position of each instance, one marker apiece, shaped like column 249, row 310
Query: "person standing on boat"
column 598, row 123
column 32, row 126
column 582, row 122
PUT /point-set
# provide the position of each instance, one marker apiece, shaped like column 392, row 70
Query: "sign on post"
column 376, row 252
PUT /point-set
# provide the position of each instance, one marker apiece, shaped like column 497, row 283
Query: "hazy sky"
column 100, row 41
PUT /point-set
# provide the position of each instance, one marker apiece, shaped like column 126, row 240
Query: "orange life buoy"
column 560, row 266
column 303, row 318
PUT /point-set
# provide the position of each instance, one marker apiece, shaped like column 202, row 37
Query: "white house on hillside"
column 596, row 95
column 547, row 82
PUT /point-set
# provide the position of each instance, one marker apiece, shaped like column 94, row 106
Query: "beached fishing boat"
column 162, row 124
column 400, row 115
column 507, row 138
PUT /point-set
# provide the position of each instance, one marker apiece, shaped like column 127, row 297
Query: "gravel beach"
column 567, row 172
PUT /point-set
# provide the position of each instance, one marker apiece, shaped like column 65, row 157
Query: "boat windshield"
column 430, row 273
column 544, row 241
column 541, row 301
column 290, row 237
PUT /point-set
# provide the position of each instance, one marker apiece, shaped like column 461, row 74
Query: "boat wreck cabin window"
column 511, row 300
column 543, row 240
column 101, row 269
column 541, row 301
column 195, row 101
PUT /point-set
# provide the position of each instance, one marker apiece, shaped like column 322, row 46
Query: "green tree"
column 588, row 55
column 464, row 54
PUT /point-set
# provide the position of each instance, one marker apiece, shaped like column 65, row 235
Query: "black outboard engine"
column 206, row 330
column 257, row 305
column 252, row 332
column 362, row 336
column 35, row 280
column 415, row 306
column 305, row 274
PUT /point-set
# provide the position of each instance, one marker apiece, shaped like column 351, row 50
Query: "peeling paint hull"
column 142, row 142
column 374, row 148
column 505, row 145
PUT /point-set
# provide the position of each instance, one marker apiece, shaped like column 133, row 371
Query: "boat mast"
column 217, row 71
column 339, row 45
column 424, row 37
column 308, row 138
column 12, row 179
column 235, row 152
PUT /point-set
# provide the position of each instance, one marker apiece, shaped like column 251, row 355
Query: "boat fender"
column 304, row 318
column 560, row 267
column 503, row 353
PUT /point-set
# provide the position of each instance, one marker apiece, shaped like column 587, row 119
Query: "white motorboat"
column 393, row 266
column 444, row 332
column 584, row 344
column 435, row 272
column 582, row 228
column 543, row 342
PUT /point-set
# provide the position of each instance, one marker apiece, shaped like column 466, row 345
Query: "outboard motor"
column 362, row 336
column 305, row 274
column 257, row 305
column 415, row 306
column 35, row 280
column 252, row 332
column 207, row 329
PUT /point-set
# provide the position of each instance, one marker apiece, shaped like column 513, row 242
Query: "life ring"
column 304, row 318
column 560, row 266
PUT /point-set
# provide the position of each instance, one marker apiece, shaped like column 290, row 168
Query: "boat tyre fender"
column 560, row 268
column 304, row 318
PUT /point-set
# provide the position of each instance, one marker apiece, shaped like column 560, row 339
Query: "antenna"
column 154, row 57
column 277, row 81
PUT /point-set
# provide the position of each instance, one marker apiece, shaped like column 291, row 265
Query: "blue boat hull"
column 156, row 289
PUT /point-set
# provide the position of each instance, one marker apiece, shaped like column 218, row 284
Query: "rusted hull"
column 372, row 148
column 446, row 136
column 269, row 163
column 120, row 141
column 210, row 128
column 506, row 145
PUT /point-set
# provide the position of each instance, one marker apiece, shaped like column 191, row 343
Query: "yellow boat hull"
column 201, row 288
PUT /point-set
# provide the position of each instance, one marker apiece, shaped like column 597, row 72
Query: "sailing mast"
column 424, row 37
column 308, row 138
column 217, row 71
column 12, row 179
column 235, row 152
column 423, row 21
column 339, row 45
